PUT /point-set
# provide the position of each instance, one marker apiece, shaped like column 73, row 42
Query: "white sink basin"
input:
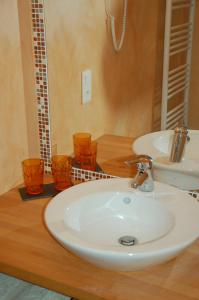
column 184, row 174
column 90, row 219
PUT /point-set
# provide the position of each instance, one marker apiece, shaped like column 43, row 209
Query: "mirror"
column 125, row 85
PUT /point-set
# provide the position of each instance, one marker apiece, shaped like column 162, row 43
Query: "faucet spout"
column 139, row 179
column 143, row 179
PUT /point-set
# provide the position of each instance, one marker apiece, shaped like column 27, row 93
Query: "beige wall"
column 25, row 31
column 124, row 84
column 194, row 92
column 13, row 142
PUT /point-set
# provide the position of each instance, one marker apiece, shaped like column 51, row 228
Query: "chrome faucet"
column 180, row 138
column 143, row 179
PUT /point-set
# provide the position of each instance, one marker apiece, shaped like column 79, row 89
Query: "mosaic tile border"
column 86, row 175
column 41, row 80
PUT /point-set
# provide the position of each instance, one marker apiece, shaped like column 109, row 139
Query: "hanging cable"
column 117, row 44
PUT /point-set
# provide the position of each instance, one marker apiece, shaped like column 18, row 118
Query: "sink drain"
column 128, row 240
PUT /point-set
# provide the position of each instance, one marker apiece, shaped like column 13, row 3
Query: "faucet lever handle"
column 142, row 161
column 142, row 166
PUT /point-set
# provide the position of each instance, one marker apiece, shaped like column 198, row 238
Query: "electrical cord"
column 117, row 44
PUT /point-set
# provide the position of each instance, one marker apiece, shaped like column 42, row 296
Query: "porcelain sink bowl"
column 185, row 174
column 113, row 226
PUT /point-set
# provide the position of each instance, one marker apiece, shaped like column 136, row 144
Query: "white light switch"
column 86, row 86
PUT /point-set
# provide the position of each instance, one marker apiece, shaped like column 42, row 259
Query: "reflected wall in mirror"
column 124, row 85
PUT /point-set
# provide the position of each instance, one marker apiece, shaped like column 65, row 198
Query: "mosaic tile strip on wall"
column 86, row 175
column 41, row 80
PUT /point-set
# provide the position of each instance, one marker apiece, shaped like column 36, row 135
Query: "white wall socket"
column 86, row 86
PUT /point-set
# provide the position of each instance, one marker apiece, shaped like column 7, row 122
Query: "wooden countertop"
column 29, row 252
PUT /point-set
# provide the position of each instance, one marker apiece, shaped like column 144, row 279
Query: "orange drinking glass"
column 33, row 172
column 81, row 142
column 61, row 171
column 88, row 157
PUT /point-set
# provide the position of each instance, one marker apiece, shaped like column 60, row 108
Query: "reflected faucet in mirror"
column 180, row 138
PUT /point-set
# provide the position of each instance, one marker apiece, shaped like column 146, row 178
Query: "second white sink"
column 185, row 174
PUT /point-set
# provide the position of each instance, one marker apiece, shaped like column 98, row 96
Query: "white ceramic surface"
column 184, row 174
column 89, row 219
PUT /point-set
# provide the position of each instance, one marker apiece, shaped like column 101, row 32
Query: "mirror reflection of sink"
column 113, row 226
column 184, row 174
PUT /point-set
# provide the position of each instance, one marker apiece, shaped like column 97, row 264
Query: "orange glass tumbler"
column 61, row 171
column 33, row 172
column 81, row 142
column 88, row 157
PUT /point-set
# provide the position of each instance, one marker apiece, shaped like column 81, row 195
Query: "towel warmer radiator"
column 177, row 47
